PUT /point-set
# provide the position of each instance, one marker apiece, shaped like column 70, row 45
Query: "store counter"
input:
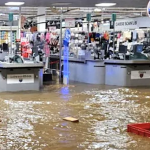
column 87, row 71
column 21, row 77
column 127, row 72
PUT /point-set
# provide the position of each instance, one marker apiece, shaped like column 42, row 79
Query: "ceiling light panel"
column 97, row 10
column 61, row 4
column 105, row 4
column 14, row 3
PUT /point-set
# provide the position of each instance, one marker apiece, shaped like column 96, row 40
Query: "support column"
column 42, row 26
column 19, row 25
column 60, row 50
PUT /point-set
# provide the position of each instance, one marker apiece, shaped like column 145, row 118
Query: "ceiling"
column 123, row 9
column 77, row 12
column 81, row 3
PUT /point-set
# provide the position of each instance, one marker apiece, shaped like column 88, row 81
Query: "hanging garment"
column 46, row 50
column 48, row 37
column 126, row 35
column 134, row 35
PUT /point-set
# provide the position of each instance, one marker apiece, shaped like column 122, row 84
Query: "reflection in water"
column 33, row 121
column 65, row 93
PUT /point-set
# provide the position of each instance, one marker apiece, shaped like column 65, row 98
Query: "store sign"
column 143, row 74
column 6, row 28
column 88, row 17
column 113, row 17
column 11, row 16
column 24, row 39
column 69, row 23
column 52, row 28
column 126, row 24
column 20, row 78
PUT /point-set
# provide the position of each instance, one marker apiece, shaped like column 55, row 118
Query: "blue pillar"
column 66, row 57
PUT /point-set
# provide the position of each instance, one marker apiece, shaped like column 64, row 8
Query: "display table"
column 21, row 77
column 127, row 72
column 87, row 71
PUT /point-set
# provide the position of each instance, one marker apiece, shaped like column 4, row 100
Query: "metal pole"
column 60, row 50
column 19, row 27
column 114, row 38
column 102, row 20
column 88, row 32
column 10, row 50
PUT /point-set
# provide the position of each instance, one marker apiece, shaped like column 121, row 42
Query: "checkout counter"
column 127, row 72
column 87, row 71
column 132, row 72
column 21, row 77
column 17, row 74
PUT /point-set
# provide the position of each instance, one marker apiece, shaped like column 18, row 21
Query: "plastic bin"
column 142, row 129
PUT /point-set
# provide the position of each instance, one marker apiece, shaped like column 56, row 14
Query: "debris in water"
column 71, row 119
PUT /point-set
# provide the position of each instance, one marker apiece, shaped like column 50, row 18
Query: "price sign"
column 69, row 23
column 23, row 39
column 52, row 28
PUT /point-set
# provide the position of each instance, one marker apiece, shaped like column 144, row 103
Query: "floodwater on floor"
column 34, row 120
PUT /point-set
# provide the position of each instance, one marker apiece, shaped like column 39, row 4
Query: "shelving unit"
column 5, row 34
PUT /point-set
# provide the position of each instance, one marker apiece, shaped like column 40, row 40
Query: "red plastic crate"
column 142, row 129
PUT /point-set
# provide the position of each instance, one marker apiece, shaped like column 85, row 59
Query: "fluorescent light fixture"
column 97, row 9
column 105, row 4
column 14, row 3
column 61, row 4
column 1, row 14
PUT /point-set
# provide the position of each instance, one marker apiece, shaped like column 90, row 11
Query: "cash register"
column 122, row 51
column 137, row 52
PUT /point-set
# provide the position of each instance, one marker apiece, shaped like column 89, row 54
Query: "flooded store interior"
column 89, row 60
column 35, row 120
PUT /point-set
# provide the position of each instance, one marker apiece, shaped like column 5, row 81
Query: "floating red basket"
column 142, row 129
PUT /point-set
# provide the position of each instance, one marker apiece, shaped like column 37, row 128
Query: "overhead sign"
column 11, row 16
column 126, row 24
column 69, row 23
column 20, row 78
column 142, row 74
column 113, row 17
column 88, row 17
column 6, row 28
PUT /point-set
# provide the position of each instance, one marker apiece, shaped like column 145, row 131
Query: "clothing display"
column 6, row 37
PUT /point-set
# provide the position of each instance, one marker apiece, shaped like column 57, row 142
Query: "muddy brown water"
column 33, row 120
